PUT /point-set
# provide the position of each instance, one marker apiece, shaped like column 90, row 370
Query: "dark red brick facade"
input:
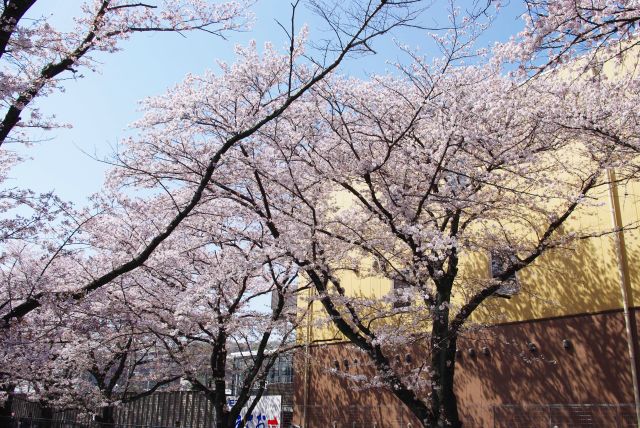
column 579, row 372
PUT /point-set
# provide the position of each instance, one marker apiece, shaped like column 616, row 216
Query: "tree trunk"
column 444, row 405
column 449, row 416
column 106, row 417
column 220, row 405
column 417, row 407
column 219, row 368
column 407, row 396
column 5, row 409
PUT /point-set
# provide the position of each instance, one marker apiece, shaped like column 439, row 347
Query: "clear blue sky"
column 101, row 105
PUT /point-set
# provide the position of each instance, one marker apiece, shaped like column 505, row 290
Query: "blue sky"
column 100, row 106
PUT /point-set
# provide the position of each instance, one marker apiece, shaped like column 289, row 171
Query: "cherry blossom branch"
column 12, row 13
column 544, row 244
column 357, row 40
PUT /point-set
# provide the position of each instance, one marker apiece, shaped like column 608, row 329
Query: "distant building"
column 279, row 380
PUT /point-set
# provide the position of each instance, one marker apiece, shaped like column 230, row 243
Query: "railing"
column 12, row 422
column 565, row 415
column 500, row 416
column 360, row 416
column 179, row 409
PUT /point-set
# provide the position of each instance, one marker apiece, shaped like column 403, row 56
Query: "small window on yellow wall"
column 499, row 262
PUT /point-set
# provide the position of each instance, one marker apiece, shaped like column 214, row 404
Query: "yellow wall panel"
column 581, row 277
column 629, row 200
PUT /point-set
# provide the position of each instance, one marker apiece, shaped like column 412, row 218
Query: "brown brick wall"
column 510, row 382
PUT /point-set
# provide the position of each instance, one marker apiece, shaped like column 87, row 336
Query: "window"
column 282, row 370
column 401, row 294
column 499, row 262
column 274, row 374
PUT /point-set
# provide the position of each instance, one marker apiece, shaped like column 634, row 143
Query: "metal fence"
column 7, row 422
column 190, row 409
column 179, row 409
column 176, row 409
column 565, row 415
column 500, row 416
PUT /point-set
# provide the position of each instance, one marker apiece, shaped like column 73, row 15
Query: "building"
column 563, row 350
column 279, row 381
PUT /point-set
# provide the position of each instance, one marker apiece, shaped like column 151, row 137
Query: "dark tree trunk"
column 219, row 368
column 449, row 416
column 5, row 409
column 444, row 405
column 417, row 407
column 220, row 405
column 106, row 417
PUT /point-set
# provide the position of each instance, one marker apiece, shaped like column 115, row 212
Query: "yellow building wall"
column 583, row 277
column 629, row 197
column 586, row 277
column 317, row 326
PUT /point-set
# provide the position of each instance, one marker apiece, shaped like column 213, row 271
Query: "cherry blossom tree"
column 252, row 93
column 87, row 355
column 277, row 162
column 428, row 186
column 418, row 174
column 214, row 310
column 556, row 32
column 174, row 318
